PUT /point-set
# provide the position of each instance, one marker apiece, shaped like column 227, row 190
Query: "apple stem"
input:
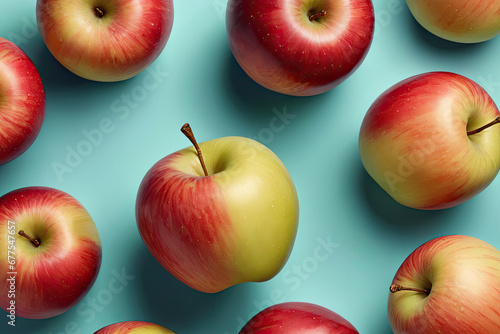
column 188, row 132
column 317, row 15
column 35, row 242
column 396, row 287
column 473, row 132
column 98, row 12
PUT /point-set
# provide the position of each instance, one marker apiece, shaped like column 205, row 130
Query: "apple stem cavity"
column 98, row 12
column 396, row 287
column 188, row 132
column 473, row 132
column 35, row 242
column 317, row 15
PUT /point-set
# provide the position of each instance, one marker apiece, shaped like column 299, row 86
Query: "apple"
column 447, row 285
column 462, row 21
column 110, row 40
column 298, row 317
column 22, row 102
column 230, row 220
column 50, row 252
column 134, row 327
column 299, row 47
column 431, row 141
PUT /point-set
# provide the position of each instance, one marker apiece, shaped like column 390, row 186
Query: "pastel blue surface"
column 352, row 236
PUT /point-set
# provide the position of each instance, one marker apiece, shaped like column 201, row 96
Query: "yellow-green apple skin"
column 462, row 21
column 462, row 275
column 105, row 40
column 238, row 224
column 414, row 140
column 53, row 277
column 22, row 102
column 134, row 327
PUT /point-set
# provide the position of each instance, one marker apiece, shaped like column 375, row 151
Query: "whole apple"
column 463, row 21
column 234, row 222
column 298, row 317
column 450, row 285
column 110, row 40
column 134, row 327
column 50, row 252
column 432, row 141
column 299, row 47
column 22, row 102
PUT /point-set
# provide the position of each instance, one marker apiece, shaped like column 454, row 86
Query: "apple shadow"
column 247, row 95
column 394, row 217
column 165, row 300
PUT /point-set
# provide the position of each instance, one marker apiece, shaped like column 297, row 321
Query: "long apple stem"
column 396, row 287
column 473, row 132
column 98, row 12
column 317, row 15
column 35, row 242
column 188, row 132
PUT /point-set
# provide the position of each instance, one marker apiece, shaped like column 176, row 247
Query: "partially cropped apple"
column 463, row 21
column 50, row 252
column 298, row 317
column 300, row 47
column 22, row 102
column 449, row 285
column 105, row 40
column 223, row 217
column 432, row 141
column 134, row 327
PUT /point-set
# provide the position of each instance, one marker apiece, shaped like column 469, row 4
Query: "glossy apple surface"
column 461, row 275
column 109, row 40
column 463, row 21
column 134, row 327
column 55, row 275
column 281, row 48
column 298, row 317
column 22, row 102
column 238, row 224
column 415, row 140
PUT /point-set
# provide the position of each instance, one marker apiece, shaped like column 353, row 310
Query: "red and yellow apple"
column 463, row 21
column 299, row 47
column 134, row 327
column 105, row 40
column 298, row 317
column 449, row 285
column 50, row 252
column 432, row 141
column 235, row 223
column 22, row 102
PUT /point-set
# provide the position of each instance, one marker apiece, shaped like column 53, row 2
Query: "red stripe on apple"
column 22, row 102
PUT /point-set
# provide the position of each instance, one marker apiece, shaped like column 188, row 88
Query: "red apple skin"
column 298, row 317
column 54, row 277
column 413, row 140
column 134, row 327
column 279, row 48
column 121, row 44
column 463, row 276
column 22, row 102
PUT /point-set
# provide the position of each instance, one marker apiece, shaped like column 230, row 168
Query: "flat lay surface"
column 100, row 139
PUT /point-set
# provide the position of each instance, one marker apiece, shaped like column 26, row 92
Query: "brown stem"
column 98, row 12
column 188, row 132
column 396, row 287
column 317, row 15
column 35, row 242
column 473, row 132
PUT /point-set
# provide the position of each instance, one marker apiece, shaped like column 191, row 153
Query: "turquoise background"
column 352, row 236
